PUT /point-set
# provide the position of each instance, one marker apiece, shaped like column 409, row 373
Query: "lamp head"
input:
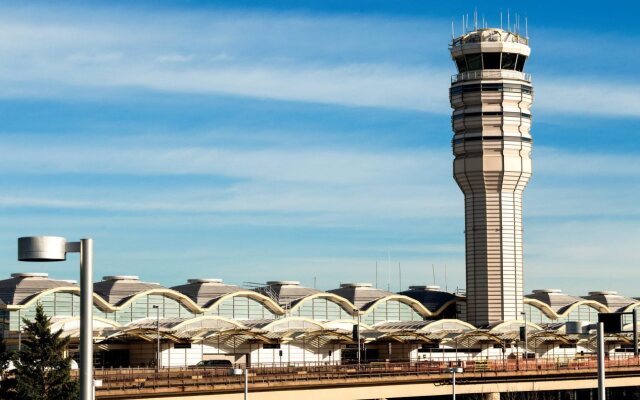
column 42, row 248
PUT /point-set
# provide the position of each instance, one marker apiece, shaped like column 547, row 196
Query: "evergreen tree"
column 42, row 370
column 7, row 382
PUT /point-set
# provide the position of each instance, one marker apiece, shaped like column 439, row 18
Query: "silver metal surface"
column 454, row 371
column 246, row 382
column 55, row 248
column 526, row 343
column 601, row 385
column 158, row 337
column 42, row 248
column 635, row 332
column 358, row 338
column 86, row 319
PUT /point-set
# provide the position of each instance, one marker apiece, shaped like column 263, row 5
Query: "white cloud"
column 399, row 183
column 347, row 60
column 174, row 58
column 551, row 161
column 588, row 95
column 95, row 58
column 583, row 255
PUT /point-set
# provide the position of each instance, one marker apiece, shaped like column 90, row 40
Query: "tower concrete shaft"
column 491, row 98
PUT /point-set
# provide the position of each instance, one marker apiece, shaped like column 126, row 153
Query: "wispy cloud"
column 587, row 95
column 312, row 179
column 353, row 61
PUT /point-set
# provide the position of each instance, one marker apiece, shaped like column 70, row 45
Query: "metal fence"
column 193, row 378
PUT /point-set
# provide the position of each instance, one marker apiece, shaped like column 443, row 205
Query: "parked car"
column 213, row 364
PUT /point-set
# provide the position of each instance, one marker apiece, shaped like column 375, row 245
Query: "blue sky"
column 252, row 141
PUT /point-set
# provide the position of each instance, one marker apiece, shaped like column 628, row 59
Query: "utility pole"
column 158, row 338
column 602, row 394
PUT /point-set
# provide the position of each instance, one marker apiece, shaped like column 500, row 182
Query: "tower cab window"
column 491, row 60
column 479, row 61
column 461, row 64
column 520, row 62
column 474, row 61
column 509, row 60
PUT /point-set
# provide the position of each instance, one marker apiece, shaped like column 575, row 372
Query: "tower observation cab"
column 491, row 97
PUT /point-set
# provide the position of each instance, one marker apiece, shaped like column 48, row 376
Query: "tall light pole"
column 245, row 372
column 602, row 393
column 526, row 344
column 357, row 333
column 635, row 331
column 55, row 248
column 157, row 308
column 454, row 371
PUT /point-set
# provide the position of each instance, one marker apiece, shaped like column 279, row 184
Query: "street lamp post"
column 238, row 371
column 357, row 312
column 54, row 248
column 453, row 371
column 526, row 344
column 157, row 308
column 602, row 393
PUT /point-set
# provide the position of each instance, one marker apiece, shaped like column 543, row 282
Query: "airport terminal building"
column 284, row 323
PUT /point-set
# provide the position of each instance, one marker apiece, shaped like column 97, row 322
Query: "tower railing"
column 497, row 74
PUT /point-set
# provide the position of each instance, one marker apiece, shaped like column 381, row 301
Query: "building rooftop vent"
column 603, row 292
column 121, row 278
column 547, row 291
column 204, row 280
column 282, row 283
column 356, row 285
column 30, row 275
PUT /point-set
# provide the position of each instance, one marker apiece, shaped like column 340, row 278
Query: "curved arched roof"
column 116, row 290
column 360, row 294
column 564, row 311
column 413, row 303
column 286, row 293
column 512, row 325
column 208, row 321
column 204, row 292
column 266, row 301
column 290, row 322
column 426, row 326
column 434, row 299
column 20, row 288
column 344, row 303
column 102, row 304
column 612, row 300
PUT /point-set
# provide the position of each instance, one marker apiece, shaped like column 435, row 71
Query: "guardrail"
column 119, row 380
column 498, row 74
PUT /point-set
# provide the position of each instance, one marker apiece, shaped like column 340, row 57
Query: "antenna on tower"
column 466, row 24
column 399, row 278
column 376, row 273
column 526, row 27
column 501, row 19
column 462, row 24
column 446, row 289
column 453, row 35
column 389, row 270
column 433, row 270
column 475, row 19
column 508, row 20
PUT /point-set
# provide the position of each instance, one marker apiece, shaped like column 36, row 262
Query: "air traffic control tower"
column 491, row 99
